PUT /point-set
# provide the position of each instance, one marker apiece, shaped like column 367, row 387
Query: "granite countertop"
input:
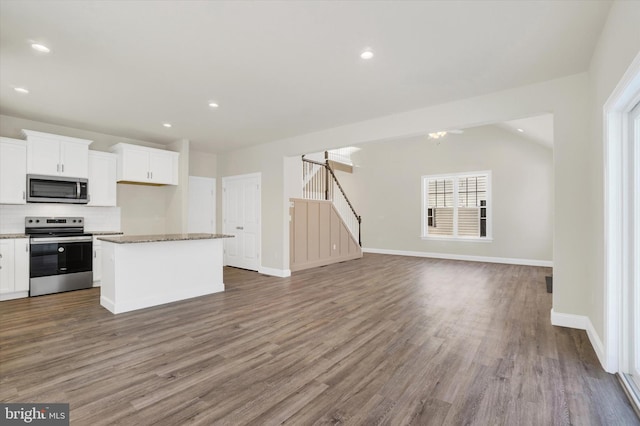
column 105, row 232
column 131, row 239
column 7, row 236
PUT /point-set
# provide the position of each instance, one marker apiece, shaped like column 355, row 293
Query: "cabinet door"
column 97, row 263
column 7, row 272
column 74, row 159
column 102, row 179
column 43, row 156
column 135, row 165
column 21, row 264
column 162, row 167
column 13, row 172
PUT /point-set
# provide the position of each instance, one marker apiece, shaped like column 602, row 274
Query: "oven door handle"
column 36, row 241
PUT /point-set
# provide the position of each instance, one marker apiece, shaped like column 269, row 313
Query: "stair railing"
column 320, row 183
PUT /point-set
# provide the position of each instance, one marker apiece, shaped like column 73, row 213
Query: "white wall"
column 617, row 47
column 177, row 208
column 203, row 164
column 386, row 189
column 566, row 98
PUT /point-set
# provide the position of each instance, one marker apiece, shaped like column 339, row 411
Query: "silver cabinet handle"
column 240, row 227
column 58, row 168
column 24, row 195
column 63, row 168
column 151, row 175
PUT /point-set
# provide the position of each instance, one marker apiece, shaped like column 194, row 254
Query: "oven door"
column 60, row 255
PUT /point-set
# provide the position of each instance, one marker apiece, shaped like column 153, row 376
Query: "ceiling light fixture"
column 520, row 130
column 21, row 90
column 40, row 48
column 167, row 125
column 437, row 135
column 213, row 105
column 367, row 54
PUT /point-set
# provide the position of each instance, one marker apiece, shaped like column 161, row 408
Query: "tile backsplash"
column 95, row 218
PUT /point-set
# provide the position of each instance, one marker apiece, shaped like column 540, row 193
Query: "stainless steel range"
column 61, row 255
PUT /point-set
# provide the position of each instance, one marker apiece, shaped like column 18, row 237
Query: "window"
column 457, row 206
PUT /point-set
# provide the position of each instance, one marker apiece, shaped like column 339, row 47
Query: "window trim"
column 456, row 176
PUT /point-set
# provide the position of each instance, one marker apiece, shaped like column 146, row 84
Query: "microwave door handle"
column 78, row 190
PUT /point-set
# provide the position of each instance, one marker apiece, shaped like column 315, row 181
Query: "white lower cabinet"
column 97, row 258
column 14, row 268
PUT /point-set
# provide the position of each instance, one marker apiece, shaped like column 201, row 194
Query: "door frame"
column 617, row 254
column 226, row 179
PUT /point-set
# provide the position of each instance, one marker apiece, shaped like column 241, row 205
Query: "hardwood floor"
column 381, row 340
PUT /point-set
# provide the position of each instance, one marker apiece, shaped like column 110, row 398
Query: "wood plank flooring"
column 382, row 340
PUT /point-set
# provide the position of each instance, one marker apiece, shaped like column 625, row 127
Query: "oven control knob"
column 74, row 221
column 60, row 249
column 30, row 220
column 37, row 220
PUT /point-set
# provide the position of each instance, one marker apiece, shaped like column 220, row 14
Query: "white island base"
column 144, row 274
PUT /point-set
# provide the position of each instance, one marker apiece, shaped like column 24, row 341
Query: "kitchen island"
column 140, row 271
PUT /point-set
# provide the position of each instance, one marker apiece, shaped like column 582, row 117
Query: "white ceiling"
column 277, row 68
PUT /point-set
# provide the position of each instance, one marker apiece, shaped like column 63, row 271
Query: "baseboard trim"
column 579, row 322
column 162, row 299
column 598, row 346
column 273, row 272
column 14, row 295
column 582, row 322
column 469, row 258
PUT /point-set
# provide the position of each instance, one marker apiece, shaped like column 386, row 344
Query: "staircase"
column 325, row 227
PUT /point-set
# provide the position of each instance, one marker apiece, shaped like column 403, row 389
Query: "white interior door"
column 241, row 218
column 202, row 205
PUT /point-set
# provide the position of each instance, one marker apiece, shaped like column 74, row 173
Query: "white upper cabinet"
column 13, row 171
column 56, row 155
column 102, row 179
column 146, row 165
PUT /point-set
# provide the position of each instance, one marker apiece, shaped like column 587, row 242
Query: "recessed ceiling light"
column 520, row 130
column 20, row 90
column 367, row 54
column 166, row 124
column 40, row 48
column 213, row 105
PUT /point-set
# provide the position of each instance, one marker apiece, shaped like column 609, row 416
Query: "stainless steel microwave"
column 57, row 189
